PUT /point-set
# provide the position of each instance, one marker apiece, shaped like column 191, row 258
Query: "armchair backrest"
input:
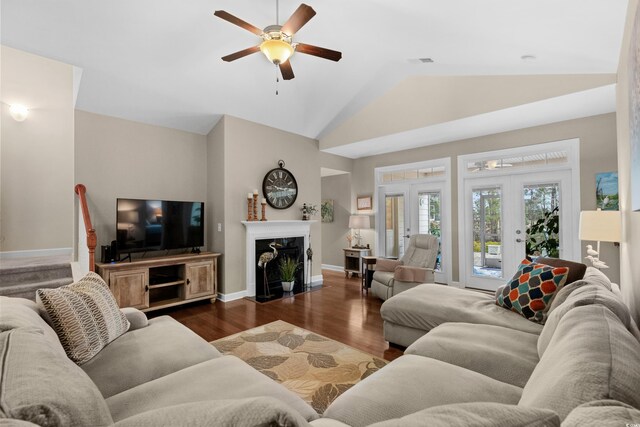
column 422, row 251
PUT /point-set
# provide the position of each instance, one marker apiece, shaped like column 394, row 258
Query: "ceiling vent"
column 425, row 60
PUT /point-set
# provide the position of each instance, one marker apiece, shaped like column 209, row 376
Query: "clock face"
column 280, row 188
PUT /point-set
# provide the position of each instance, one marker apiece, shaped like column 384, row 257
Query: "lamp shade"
column 359, row 221
column 276, row 51
column 601, row 226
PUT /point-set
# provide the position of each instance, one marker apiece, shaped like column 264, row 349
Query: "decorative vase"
column 288, row 286
column 305, row 213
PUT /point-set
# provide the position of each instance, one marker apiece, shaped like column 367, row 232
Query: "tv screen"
column 148, row 225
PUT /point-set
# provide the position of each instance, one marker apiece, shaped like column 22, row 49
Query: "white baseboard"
column 333, row 267
column 457, row 285
column 316, row 280
column 233, row 296
column 37, row 253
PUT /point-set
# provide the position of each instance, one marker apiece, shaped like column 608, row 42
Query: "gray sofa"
column 470, row 362
column 481, row 369
column 157, row 373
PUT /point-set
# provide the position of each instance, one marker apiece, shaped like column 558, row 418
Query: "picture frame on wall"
column 607, row 191
column 364, row 203
column 326, row 210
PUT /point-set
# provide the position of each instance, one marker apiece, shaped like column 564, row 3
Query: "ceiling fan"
column 277, row 41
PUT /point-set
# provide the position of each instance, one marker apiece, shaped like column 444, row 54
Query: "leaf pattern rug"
column 314, row 367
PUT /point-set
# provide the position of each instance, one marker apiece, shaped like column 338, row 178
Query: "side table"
column 368, row 266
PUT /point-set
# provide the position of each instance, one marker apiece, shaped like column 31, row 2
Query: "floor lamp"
column 599, row 226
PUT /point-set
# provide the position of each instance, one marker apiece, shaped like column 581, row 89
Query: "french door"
column 408, row 209
column 498, row 214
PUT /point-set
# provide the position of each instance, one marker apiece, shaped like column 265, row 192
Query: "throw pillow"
column 531, row 289
column 85, row 315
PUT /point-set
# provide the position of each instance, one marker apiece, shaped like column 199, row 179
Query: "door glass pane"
column 429, row 217
column 542, row 219
column 394, row 226
column 487, row 232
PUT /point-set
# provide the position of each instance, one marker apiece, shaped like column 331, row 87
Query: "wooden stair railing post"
column 92, row 239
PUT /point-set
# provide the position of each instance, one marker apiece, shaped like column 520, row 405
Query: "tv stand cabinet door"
column 131, row 288
column 200, row 279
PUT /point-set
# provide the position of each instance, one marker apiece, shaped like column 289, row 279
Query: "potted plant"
column 288, row 268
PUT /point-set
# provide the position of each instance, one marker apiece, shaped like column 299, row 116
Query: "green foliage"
column 542, row 235
column 288, row 268
column 476, row 245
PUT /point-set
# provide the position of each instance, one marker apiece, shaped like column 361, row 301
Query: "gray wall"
column 36, row 190
column 630, row 245
column 250, row 151
column 120, row 158
column 334, row 234
column 597, row 154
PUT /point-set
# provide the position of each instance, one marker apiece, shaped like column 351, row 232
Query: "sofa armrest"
column 136, row 318
column 407, row 273
column 386, row 264
column 477, row 414
column 234, row 412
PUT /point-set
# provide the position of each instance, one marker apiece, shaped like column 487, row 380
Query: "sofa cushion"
column 591, row 356
column 41, row 385
column 477, row 414
column 85, row 315
column 145, row 354
column 255, row 411
column 531, row 289
column 592, row 276
column 427, row 306
column 584, row 295
column 412, row 383
column 603, row 413
column 501, row 353
column 225, row 377
column 24, row 313
column 576, row 269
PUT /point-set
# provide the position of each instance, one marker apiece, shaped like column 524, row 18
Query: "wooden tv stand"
column 155, row 283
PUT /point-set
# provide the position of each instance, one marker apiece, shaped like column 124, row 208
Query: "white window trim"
column 572, row 146
column 446, row 206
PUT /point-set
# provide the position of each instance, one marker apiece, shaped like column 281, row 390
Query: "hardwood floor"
column 338, row 311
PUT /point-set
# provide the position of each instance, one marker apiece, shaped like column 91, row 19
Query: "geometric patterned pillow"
column 531, row 289
column 85, row 315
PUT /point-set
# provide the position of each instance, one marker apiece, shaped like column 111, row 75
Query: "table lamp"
column 600, row 226
column 359, row 222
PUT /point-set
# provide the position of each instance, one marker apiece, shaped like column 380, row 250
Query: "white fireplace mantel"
column 258, row 230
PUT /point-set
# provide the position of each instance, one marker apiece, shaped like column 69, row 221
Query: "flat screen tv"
column 152, row 225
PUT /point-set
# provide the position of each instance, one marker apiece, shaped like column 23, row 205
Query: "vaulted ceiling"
column 158, row 62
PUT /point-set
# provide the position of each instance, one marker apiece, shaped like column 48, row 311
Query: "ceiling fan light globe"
column 276, row 51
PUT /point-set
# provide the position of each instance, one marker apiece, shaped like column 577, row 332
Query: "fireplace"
column 294, row 238
column 288, row 247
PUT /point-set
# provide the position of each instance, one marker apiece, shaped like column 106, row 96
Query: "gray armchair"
column 415, row 267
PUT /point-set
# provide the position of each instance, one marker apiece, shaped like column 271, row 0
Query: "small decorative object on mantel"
column 264, row 210
column 249, row 206
column 308, row 211
column 255, row 205
column 364, row 203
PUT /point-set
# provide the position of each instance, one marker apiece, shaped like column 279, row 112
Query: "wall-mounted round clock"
column 280, row 187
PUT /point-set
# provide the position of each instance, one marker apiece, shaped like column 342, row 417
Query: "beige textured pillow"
column 85, row 316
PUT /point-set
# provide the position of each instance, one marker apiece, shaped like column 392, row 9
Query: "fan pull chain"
column 277, row 80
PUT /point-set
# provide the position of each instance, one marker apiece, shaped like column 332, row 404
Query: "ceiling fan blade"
column 237, row 21
column 332, row 55
column 241, row 53
column 301, row 16
column 287, row 72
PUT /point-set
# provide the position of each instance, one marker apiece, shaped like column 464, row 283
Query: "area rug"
column 314, row 367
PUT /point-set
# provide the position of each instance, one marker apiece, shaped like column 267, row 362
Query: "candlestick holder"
column 249, row 208
column 264, row 211
column 255, row 207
